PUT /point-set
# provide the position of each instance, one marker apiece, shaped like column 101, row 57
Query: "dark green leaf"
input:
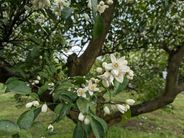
column 43, row 89
column 97, row 128
column 102, row 122
column 98, row 27
column 17, row 86
column 61, row 110
column 78, row 131
column 8, row 128
column 26, row 119
column 79, row 80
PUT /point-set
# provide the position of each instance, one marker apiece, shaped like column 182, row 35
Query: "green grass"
column 163, row 123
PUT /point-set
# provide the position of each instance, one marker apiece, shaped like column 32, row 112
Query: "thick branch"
column 87, row 59
column 171, row 88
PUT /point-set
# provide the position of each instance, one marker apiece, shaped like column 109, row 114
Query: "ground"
column 164, row 123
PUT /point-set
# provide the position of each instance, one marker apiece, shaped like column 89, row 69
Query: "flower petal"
column 113, row 58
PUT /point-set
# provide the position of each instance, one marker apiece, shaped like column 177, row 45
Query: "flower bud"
column 29, row 105
column 99, row 70
column 86, row 121
column 106, row 110
column 35, row 103
column 105, row 83
column 36, row 82
column 121, row 108
column 44, row 108
column 81, row 117
column 51, row 128
column 130, row 101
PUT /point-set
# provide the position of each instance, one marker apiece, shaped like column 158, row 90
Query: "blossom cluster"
column 116, row 70
column 89, row 89
column 44, row 107
column 102, row 6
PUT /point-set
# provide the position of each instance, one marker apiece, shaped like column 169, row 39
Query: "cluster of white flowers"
column 102, row 6
column 44, row 107
column 33, row 103
column 117, row 70
column 84, row 118
column 91, row 87
column 120, row 107
column 39, row 4
column 36, row 81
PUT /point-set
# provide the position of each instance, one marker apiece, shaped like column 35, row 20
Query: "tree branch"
column 87, row 59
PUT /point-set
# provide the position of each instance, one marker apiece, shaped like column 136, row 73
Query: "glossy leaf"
column 26, row 119
column 17, row 86
column 78, row 131
column 8, row 128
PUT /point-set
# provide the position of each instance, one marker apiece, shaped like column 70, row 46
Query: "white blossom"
column 29, row 105
column 86, row 121
column 36, row 81
column 51, row 128
column 38, row 78
column 81, row 92
column 101, row 7
column 99, row 70
column 130, row 101
column 81, row 117
column 35, row 103
column 44, row 108
column 92, row 87
column 164, row 74
column 106, row 110
column 121, row 108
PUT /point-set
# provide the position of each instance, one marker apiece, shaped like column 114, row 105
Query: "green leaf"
column 78, row 131
column 26, row 119
column 36, row 112
column 8, row 128
column 2, row 88
column 61, row 110
column 79, row 80
column 98, row 27
column 102, row 122
column 119, row 87
column 97, row 128
column 17, row 86
column 83, row 105
column 43, row 89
